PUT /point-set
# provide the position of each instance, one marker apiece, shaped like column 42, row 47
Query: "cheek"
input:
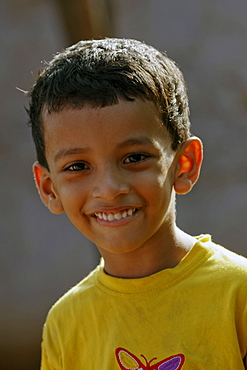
column 72, row 196
column 156, row 191
column 159, row 190
column 157, row 180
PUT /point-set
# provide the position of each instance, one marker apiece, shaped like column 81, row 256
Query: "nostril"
column 110, row 190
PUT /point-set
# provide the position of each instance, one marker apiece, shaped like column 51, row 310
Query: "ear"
column 189, row 160
column 46, row 188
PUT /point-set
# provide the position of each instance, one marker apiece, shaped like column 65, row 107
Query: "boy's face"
column 112, row 171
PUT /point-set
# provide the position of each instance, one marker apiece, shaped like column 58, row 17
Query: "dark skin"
column 114, row 174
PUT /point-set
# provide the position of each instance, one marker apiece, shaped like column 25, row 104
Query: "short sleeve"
column 50, row 351
column 45, row 365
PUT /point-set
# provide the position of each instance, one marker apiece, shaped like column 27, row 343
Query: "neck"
column 145, row 261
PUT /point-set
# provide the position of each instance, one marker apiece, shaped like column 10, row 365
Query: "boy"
column 110, row 120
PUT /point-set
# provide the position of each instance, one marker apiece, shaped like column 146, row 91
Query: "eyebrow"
column 143, row 140
column 65, row 152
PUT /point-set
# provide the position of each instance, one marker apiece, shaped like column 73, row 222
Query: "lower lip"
column 116, row 223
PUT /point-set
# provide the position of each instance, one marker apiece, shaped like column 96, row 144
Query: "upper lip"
column 112, row 209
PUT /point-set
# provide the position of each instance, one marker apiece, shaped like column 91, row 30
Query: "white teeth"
column 116, row 216
column 110, row 217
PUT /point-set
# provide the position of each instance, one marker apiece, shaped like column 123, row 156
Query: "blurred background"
column 42, row 255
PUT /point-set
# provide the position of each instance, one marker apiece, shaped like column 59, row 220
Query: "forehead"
column 110, row 125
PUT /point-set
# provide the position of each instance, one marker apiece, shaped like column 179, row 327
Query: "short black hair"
column 100, row 72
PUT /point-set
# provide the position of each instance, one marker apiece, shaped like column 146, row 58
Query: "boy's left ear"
column 189, row 160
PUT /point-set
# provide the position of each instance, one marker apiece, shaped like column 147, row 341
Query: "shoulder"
column 224, row 265
column 72, row 300
column 220, row 254
column 229, row 259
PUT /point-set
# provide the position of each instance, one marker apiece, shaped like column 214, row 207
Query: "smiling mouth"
column 115, row 216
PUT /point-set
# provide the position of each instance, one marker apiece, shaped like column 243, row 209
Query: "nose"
column 110, row 182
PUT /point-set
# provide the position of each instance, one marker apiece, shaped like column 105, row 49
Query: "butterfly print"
column 127, row 361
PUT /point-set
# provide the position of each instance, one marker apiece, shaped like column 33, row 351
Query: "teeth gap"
column 115, row 216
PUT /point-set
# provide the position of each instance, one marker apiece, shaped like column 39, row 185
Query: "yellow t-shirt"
column 190, row 317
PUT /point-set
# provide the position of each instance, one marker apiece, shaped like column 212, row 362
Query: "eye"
column 136, row 157
column 80, row 166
